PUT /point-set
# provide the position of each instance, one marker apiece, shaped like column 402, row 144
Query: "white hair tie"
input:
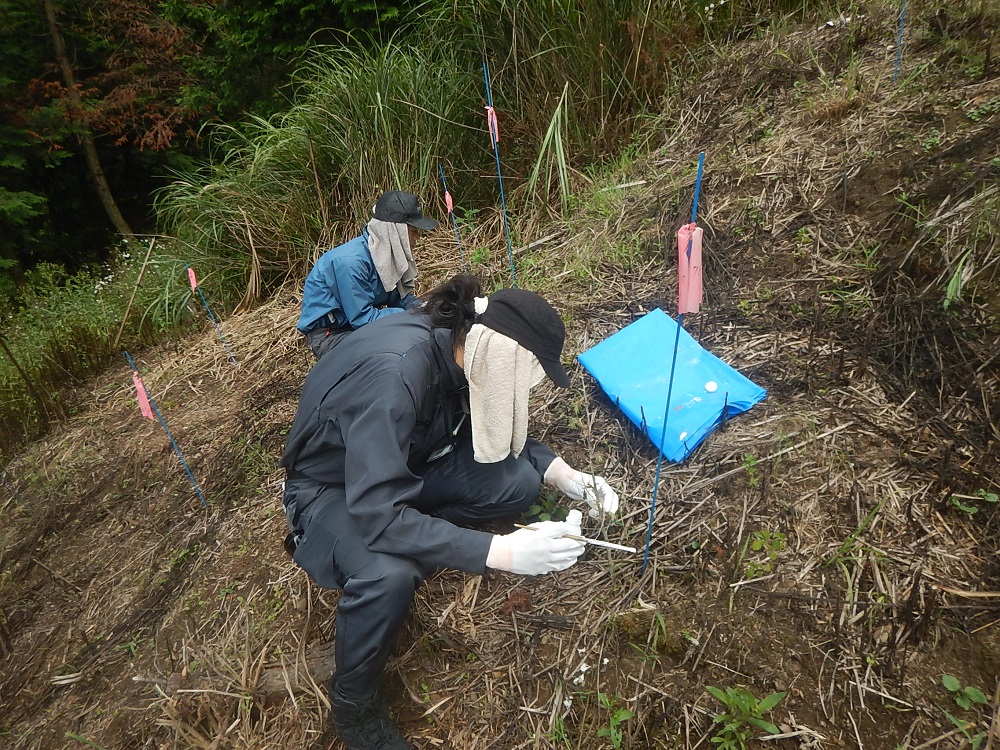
column 481, row 303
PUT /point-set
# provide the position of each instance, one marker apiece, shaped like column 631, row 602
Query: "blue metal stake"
column 697, row 188
column 454, row 224
column 212, row 318
column 899, row 41
column 163, row 423
column 663, row 435
column 10, row 487
column 670, row 382
column 503, row 201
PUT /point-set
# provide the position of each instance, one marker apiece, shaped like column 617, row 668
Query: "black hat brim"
column 555, row 371
column 425, row 223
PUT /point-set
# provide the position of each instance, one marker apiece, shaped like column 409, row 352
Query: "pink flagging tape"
column 491, row 121
column 193, row 279
column 140, row 394
column 448, row 203
column 689, row 282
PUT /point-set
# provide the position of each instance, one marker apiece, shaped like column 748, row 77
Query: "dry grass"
column 134, row 618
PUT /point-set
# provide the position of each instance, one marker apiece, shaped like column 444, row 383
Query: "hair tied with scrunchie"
column 480, row 304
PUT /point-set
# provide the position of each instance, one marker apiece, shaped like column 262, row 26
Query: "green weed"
column 750, row 466
column 551, row 165
column 181, row 556
column 80, row 738
column 618, row 716
column 768, row 544
column 480, row 256
column 965, row 696
column 955, row 283
column 744, row 715
column 559, row 735
column 964, row 502
column 132, row 647
column 848, row 544
column 974, row 740
column 985, row 109
column 915, row 212
column 546, row 508
column 932, row 140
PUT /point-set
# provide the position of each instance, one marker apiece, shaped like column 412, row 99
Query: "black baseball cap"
column 402, row 208
column 533, row 323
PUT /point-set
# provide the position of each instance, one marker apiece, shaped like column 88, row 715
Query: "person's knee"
column 525, row 484
column 396, row 578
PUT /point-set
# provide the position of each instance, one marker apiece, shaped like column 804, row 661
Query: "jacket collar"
column 453, row 376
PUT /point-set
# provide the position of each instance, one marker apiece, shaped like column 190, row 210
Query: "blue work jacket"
column 343, row 290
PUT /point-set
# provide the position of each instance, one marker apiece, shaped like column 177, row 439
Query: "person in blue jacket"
column 408, row 436
column 364, row 279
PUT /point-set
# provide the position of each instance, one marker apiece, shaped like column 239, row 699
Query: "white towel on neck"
column 389, row 244
column 500, row 372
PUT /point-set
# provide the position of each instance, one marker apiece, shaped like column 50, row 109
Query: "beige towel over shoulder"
column 500, row 372
column 389, row 244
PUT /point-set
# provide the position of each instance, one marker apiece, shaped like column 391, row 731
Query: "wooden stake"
column 595, row 542
column 138, row 281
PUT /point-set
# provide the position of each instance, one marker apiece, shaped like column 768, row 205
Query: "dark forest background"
column 100, row 102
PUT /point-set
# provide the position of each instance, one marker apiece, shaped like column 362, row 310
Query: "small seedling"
column 954, row 290
column 959, row 502
column 744, row 714
column 83, row 740
column 618, row 717
column 964, row 696
column 479, row 256
column 770, row 544
column 975, row 740
column 932, row 140
column 560, row 735
column 546, row 509
column 845, row 549
column 750, row 465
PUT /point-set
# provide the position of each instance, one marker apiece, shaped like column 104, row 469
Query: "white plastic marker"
column 595, row 542
column 711, row 386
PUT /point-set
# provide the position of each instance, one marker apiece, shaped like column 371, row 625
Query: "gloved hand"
column 530, row 552
column 573, row 519
column 594, row 490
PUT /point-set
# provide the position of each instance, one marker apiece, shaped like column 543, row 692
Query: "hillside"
column 816, row 546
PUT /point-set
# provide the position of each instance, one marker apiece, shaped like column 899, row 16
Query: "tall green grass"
column 62, row 330
column 365, row 121
column 569, row 80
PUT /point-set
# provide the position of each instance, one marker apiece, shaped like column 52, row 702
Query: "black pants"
column 322, row 340
column 378, row 587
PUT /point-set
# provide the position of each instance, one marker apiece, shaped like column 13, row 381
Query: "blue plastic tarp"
column 633, row 368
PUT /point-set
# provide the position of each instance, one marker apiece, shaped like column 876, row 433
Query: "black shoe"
column 366, row 725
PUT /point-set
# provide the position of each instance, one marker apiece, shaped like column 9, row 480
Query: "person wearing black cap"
column 398, row 451
column 367, row 278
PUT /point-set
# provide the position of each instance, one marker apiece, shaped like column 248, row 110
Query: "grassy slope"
column 823, row 285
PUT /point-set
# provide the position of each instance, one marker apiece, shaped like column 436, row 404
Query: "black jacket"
column 371, row 412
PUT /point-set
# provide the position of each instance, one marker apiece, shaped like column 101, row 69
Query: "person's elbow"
column 410, row 302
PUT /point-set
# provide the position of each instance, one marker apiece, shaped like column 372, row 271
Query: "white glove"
column 530, row 552
column 575, row 484
column 574, row 519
